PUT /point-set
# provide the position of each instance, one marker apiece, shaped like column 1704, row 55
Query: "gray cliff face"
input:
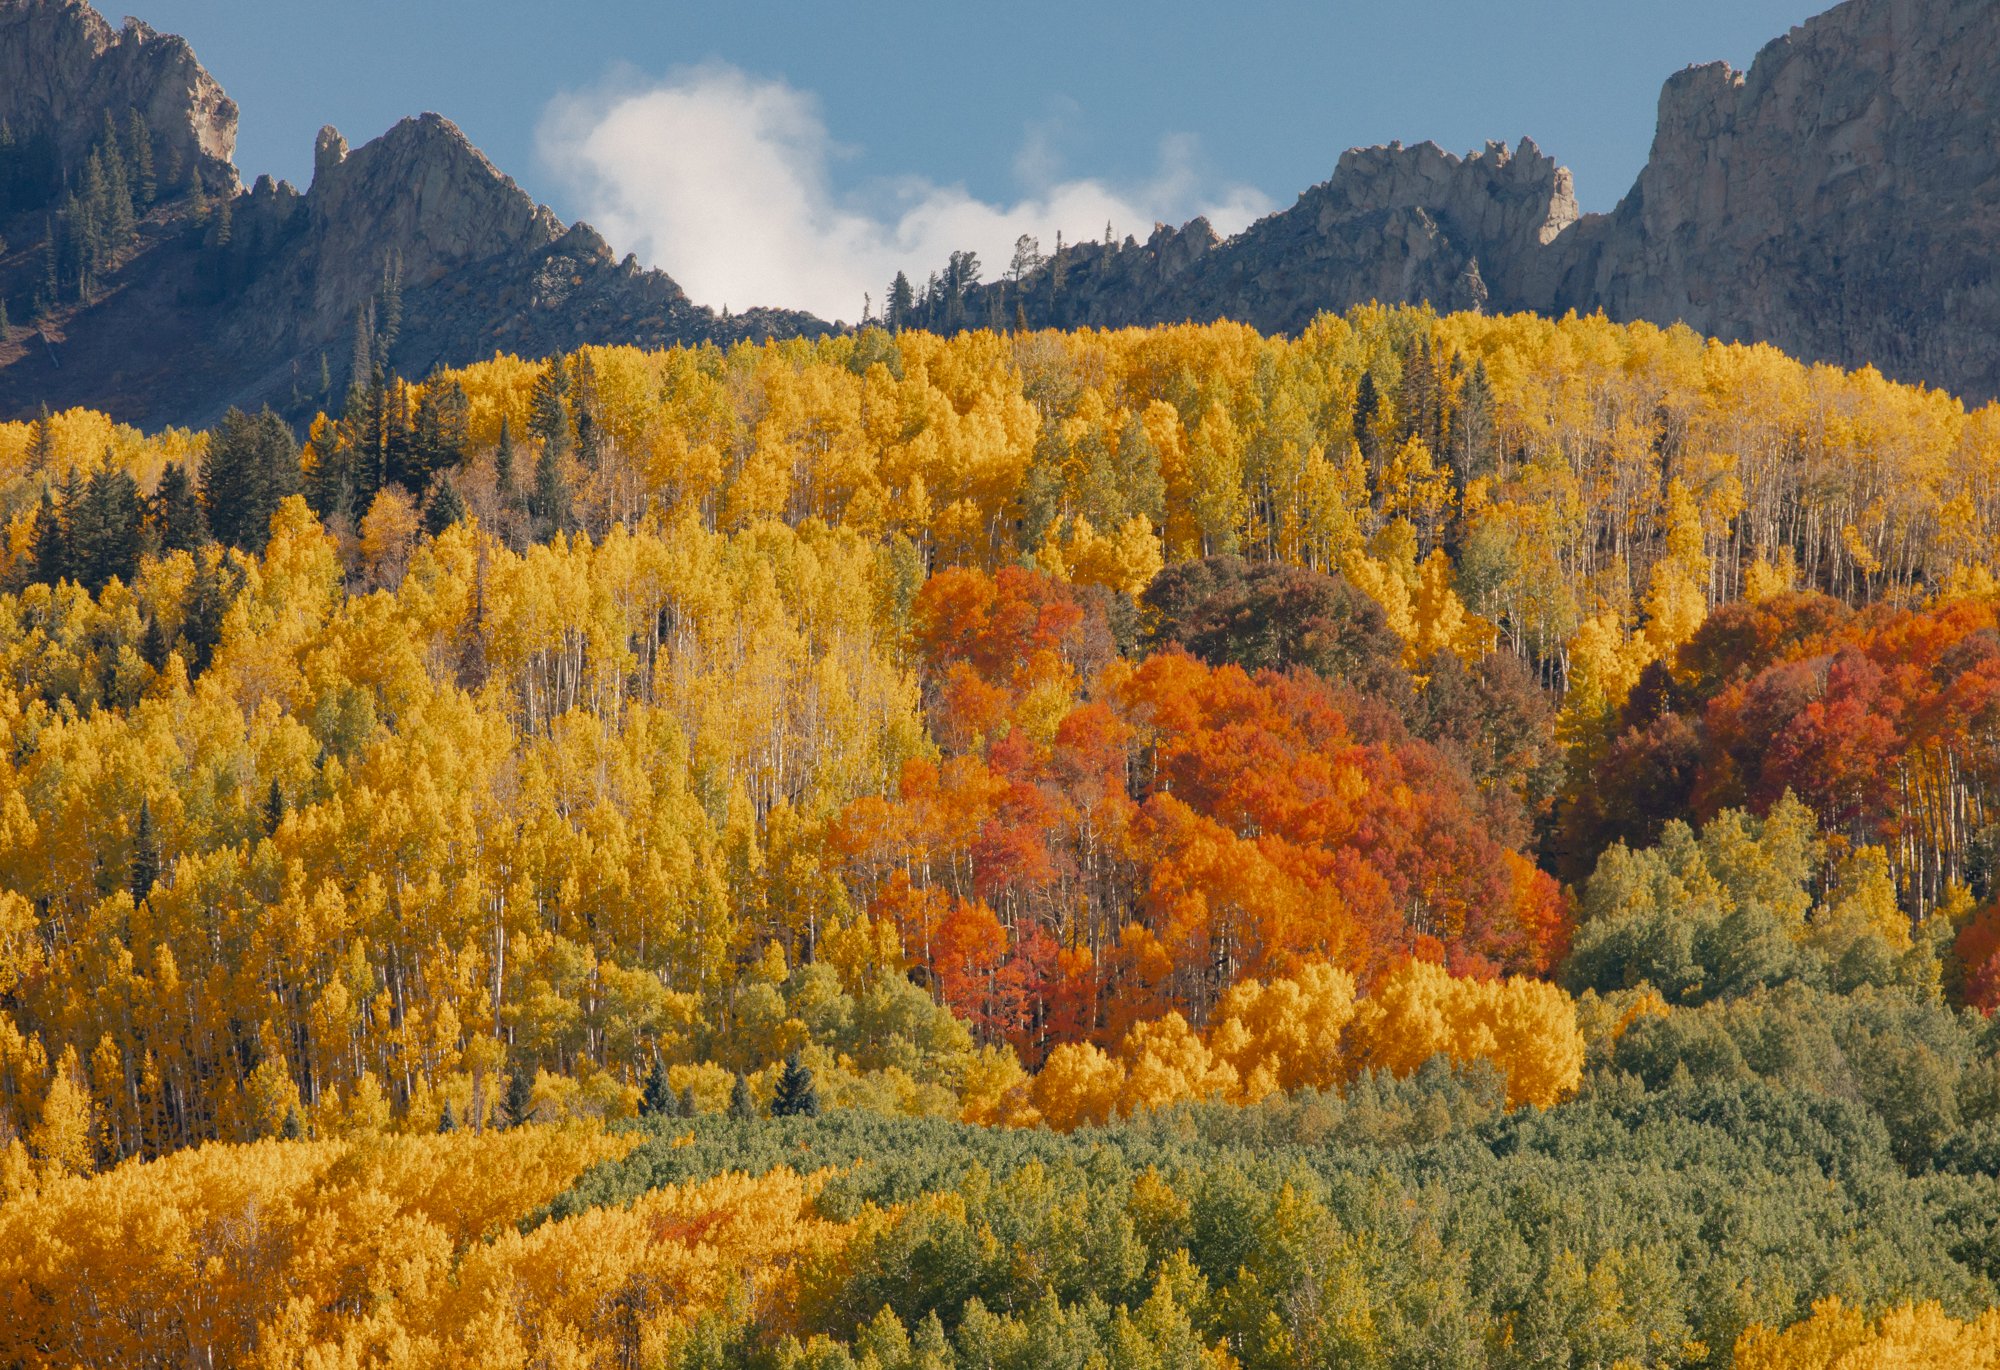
column 187, row 324
column 62, row 66
column 1841, row 200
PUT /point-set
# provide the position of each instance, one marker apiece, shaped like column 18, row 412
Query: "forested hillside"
column 1441, row 840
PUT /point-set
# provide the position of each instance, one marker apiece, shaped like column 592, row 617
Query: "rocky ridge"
column 192, row 320
column 62, row 67
column 1841, row 199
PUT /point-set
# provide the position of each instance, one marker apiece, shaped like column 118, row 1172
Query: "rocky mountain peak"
column 62, row 67
column 236, row 297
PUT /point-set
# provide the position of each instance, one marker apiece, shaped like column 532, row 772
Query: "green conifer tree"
column 549, row 504
column 742, row 1103
column 145, row 872
column 520, row 1102
column 153, row 644
column 51, row 542
column 178, row 522
column 445, row 506
column 796, row 1096
column 656, row 1099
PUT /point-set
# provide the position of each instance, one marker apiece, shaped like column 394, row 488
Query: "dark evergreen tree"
column 105, row 529
column 902, row 302
column 549, row 409
column 1421, row 410
column 438, row 434
column 656, row 1099
column 796, row 1095
column 274, row 807
column 520, row 1102
column 178, row 523
column 293, row 1129
column 208, row 599
column 145, row 870
column 329, row 478
column 447, row 1119
column 549, row 503
column 742, row 1104
column 153, row 644
column 51, row 542
column 688, row 1108
column 41, row 443
column 586, row 412
column 1367, row 404
column 361, row 361
column 139, row 150
column 444, row 508
column 389, row 311
column 252, row 466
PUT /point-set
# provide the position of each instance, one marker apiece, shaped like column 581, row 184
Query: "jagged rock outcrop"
column 1841, row 199
column 62, row 66
column 193, row 319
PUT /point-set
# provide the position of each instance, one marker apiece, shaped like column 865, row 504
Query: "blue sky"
column 781, row 152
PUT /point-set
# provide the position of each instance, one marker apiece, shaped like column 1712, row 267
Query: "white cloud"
column 725, row 181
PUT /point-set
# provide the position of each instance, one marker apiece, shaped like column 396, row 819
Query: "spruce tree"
column 105, row 530
column 139, row 149
column 657, row 1099
column 153, row 644
column 361, row 362
column 902, row 300
column 274, row 807
column 796, row 1096
column 447, row 1120
column 688, row 1108
column 742, row 1104
column 520, row 1101
column 178, row 523
column 51, row 542
column 444, row 508
column 549, row 411
column 586, row 411
column 252, row 466
column 438, row 434
column 41, row 443
column 293, row 1129
column 208, row 601
column 389, row 311
column 145, row 872
column 1367, row 403
column 549, row 503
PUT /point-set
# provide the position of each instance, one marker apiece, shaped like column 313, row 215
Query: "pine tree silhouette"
column 796, row 1096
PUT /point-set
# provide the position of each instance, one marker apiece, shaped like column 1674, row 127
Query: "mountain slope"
column 1841, row 199
column 203, row 309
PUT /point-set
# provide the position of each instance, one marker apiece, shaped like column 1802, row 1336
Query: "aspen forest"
column 1441, row 840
